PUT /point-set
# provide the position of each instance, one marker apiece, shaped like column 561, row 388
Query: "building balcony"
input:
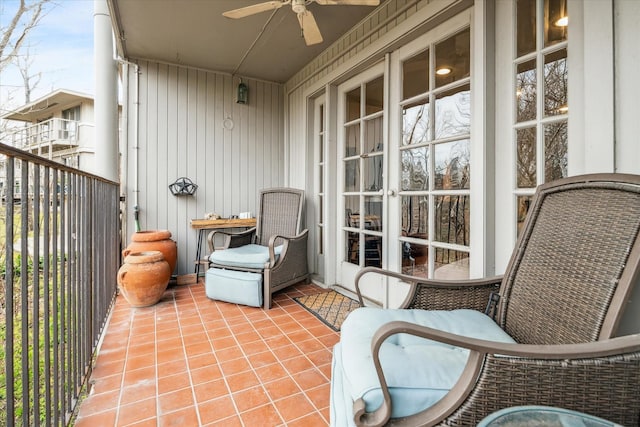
column 46, row 137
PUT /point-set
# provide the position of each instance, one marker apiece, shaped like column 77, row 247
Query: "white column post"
column 105, row 159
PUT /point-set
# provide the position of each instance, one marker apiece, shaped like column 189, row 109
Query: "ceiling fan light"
column 443, row 71
column 562, row 22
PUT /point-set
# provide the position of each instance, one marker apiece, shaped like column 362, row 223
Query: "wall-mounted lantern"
column 243, row 93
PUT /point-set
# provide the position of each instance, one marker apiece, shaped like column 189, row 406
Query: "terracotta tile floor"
column 190, row 361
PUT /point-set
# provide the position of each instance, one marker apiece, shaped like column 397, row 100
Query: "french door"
column 404, row 139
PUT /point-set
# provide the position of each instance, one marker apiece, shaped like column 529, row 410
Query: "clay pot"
column 144, row 277
column 154, row 240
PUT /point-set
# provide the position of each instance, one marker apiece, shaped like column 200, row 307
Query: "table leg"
column 199, row 251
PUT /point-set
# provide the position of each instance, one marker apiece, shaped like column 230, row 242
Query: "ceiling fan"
column 308, row 25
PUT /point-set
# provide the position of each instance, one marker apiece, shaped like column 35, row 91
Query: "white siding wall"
column 180, row 133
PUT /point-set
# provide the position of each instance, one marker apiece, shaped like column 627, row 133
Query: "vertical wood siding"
column 181, row 134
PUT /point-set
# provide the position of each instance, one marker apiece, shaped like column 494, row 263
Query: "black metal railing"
column 59, row 264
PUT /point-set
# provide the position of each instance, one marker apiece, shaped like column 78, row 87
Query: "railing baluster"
column 36, row 295
column 24, row 290
column 47, row 292
column 8, row 290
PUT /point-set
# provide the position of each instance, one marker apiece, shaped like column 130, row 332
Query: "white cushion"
column 419, row 372
column 247, row 256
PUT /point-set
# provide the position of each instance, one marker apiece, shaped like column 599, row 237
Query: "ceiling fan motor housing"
column 299, row 6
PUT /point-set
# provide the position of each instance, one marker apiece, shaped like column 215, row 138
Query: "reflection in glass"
column 555, row 151
column 452, row 219
column 526, row 91
column 373, row 135
column 416, row 123
column 451, row 165
column 453, row 58
column 352, row 175
column 451, row 264
column 526, row 27
column 353, row 104
column 374, row 92
column 415, row 169
column 321, row 117
column 320, row 240
column 352, row 140
column 523, row 208
column 372, row 173
column 415, row 75
column 352, row 254
column 555, row 21
column 555, row 83
column 373, row 213
column 320, row 178
column 415, row 259
column 321, row 148
column 415, row 217
column 526, row 161
column 453, row 112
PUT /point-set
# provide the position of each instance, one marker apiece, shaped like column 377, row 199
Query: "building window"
column 541, row 82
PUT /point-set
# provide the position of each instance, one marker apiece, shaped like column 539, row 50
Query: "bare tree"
column 12, row 37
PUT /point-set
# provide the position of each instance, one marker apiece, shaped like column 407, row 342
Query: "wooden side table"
column 203, row 225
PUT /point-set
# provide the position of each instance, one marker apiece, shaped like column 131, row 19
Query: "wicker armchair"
column 278, row 239
column 560, row 302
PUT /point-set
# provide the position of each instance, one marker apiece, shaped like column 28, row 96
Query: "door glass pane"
column 352, row 211
column 353, row 247
column 352, row 175
column 320, row 178
column 523, row 208
column 452, row 219
column 416, row 123
column 453, row 112
column 372, row 173
column 373, row 213
column 451, row 264
column 452, row 165
column 415, row 75
column 526, row 161
column 556, row 21
column 415, row 259
column 555, row 83
column 415, row 217
column 375, row 96
column 526, row 91
column 321, row 148
column 526, row 27
column 453, row 58
column 555, row 151
column 353, row 105
column 352, row 140
column 373, row 141
column 415, row 169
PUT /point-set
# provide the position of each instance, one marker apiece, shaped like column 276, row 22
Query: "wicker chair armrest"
column 291, row 243
column 231, row 239
column 550, row 359
column 429, row 294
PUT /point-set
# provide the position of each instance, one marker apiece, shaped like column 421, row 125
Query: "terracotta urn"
column 143, row 278
column 154, row 240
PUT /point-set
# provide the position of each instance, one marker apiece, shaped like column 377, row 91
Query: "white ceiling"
column 267, row 46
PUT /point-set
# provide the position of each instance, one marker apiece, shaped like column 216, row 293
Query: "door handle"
column 391, row 193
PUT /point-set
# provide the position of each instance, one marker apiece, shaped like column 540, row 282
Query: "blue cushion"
column 239, row 287
column 419, row 372
column 247, row 256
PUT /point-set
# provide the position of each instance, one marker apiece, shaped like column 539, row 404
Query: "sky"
column 61, row 48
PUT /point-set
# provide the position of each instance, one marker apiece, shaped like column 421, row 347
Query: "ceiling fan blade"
column 310, row 29
column 255, row 8
column 348, row 2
